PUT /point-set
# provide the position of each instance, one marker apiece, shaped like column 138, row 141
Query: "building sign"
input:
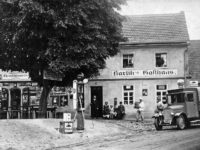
column 49, row 75
column 161, row 87
column 14, row 76
column 194, row 83
column 145, row 73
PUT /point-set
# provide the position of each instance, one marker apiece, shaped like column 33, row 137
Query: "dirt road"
column 168, row 139
column 43, row 134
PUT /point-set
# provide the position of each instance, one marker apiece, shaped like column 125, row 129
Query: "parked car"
column 183, row 109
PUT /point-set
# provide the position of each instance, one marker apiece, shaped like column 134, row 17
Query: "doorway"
column 192, row 105
column 15, row 102
column 3, row 103
column 98, row 92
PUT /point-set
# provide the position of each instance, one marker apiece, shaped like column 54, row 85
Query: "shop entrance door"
column 96, row 91
column 15, row 103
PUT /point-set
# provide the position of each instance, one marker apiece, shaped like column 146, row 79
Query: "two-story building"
column 153, row 59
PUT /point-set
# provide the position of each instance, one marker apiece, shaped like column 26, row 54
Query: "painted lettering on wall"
column 145, row 73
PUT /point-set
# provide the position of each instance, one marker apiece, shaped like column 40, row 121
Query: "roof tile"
column 156, row 28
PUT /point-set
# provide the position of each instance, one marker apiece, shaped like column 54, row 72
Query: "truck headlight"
column 172, row 113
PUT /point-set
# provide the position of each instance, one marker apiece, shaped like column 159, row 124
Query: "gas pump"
column 26, row 103
column 80, row 102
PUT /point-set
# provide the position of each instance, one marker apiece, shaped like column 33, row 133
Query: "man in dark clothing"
column 94, row 107
column 120, row 111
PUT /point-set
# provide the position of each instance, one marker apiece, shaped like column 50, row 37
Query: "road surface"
column 168, row 139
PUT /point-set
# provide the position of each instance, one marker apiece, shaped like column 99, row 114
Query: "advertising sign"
column 14, row 76
column 145, row 73
column 49, row 75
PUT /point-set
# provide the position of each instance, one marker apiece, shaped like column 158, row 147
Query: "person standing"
column 106, row 111
column 112, row 112
column 94, row 107
column 140, row 111
column 121, row 111
column 161, row 105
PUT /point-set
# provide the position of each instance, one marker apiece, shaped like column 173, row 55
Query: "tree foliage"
column 65, row 36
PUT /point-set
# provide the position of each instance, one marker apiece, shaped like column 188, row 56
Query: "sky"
column 190, row 7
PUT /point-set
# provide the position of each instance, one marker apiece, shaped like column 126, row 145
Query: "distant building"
column 194, row 60
column 149, row 63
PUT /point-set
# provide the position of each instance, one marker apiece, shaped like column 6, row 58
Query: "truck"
column 183, row 109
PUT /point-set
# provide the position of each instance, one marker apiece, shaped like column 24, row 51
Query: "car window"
column 177, row 98
column 180, row 98
column 173, row 99
column 190, row 97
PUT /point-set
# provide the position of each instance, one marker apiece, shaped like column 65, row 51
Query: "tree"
column 67, row 37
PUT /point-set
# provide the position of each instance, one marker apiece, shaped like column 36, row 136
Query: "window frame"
column 189, row 98
column 163, row 66
column 162, row 96
column 133, row 56
column 130, row 94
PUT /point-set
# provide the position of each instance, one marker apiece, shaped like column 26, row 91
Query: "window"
column 180, row 98
column 60, row 96
column 161, row 60
column 190, row 97
column 161, row 92
column 177, row 98
column 128, row 92
column 128, row 61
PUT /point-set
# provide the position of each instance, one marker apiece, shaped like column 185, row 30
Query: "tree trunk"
column 43, row 99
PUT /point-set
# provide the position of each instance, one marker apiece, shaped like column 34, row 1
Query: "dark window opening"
column 161, row 60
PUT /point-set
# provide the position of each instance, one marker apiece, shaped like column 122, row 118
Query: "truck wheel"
column 181, row 123
column 157, row 124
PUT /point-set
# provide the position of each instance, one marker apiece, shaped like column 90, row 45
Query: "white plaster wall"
column 144, row 59
column 112, row 89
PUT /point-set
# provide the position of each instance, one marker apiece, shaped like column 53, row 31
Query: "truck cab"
column 183, row 108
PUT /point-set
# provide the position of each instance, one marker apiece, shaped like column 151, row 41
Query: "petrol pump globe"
column 180, row 83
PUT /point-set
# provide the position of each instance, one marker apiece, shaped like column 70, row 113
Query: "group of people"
column 118, row 112
column 111, row 112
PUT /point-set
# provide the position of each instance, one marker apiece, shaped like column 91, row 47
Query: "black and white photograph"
column 99, row 74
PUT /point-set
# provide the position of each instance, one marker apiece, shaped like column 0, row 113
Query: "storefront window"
column 128, row 92
column 128, row 61
column 4, row 99
column 161, row 59
column 60, row 97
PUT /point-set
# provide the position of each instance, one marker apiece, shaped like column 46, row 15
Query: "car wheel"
column 181, row 123
column 157, row 124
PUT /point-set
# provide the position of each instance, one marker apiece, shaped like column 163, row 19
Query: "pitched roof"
column 194, row 59
column 156, row 28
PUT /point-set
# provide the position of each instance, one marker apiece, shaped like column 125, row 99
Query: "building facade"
column 148, row 64
column 194, row 61
column 19, row 97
